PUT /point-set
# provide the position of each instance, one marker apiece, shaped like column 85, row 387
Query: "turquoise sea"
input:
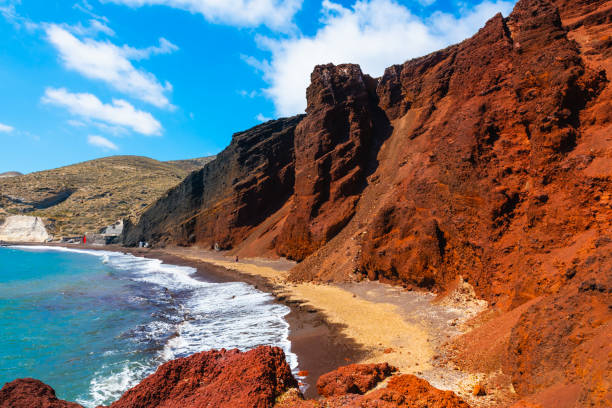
column 93, row 323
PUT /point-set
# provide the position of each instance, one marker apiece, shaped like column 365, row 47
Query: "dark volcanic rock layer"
column 490, row 159
column 247, row 182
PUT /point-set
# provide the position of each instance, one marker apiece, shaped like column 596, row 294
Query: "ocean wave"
column 191, row 316
column 110, row 382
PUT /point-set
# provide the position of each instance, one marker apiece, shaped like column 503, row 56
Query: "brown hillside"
column 10, row 174
column 192, row 164
column 87, row 196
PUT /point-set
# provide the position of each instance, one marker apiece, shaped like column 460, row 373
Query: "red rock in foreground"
column 31, row 393
column 353, row 379
column 404, row 391
column 410, row 391
column 259, row 378
column 217, row 378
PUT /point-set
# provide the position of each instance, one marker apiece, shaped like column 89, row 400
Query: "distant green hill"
column 87, row 196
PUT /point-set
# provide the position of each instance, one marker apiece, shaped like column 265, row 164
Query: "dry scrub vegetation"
column 87, row 196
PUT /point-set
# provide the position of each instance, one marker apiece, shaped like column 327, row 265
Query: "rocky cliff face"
column 484, row 135
column 334, row 147
column 219, row 204
column 21, row 228
column 490, row 159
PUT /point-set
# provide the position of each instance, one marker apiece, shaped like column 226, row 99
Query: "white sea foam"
column 204, row 316
column 105, row 387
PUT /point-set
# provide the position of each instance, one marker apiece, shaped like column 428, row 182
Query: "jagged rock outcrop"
column 333, row 146
column 216, row 378
column 493, row 124
column 353, row 379
column 21, row 228
column 219, row 204
column 31, row 393
column 403, row 391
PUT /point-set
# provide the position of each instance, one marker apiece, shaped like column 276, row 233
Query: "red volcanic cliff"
column 333, row 147
column 490, row 159
column 220, row 204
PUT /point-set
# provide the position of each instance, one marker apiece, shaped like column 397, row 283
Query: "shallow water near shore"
column 94, row 323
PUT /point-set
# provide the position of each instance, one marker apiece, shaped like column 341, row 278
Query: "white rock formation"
column 21, row 228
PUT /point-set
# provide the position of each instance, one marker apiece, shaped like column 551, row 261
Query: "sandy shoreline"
column 321, row 346
column 335, row 325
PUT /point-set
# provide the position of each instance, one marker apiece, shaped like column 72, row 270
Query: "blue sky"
column 173, row 79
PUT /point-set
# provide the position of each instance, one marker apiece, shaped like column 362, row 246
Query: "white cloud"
column 6, row 128
column 427, row 3
column 7, row 9
column 76, row 123
column 114, row 130
column 95, row 27
column 255, row 63
column 9, row 12
column 100, row 141
column 107, row 62
column 248, row 94
column 275, row 14
column 165, row 47
column 372, row 33
column 260, row 117
column 119, row 113
column 87, row 8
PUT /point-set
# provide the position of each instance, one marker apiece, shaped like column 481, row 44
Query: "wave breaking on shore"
column 188, row 315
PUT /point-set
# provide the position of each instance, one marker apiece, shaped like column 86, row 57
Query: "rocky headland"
column 478, row 176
